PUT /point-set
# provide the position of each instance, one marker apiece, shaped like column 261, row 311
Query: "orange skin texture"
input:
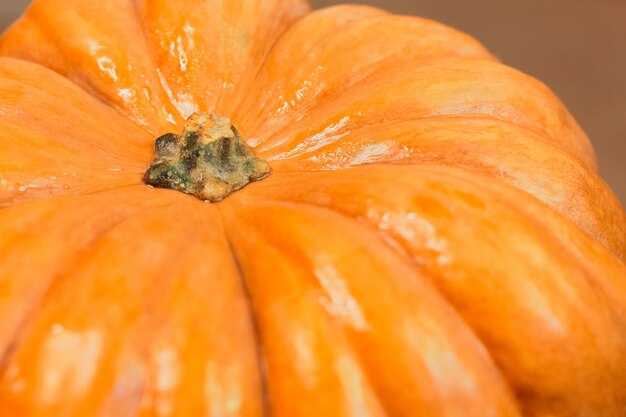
column 434, row 239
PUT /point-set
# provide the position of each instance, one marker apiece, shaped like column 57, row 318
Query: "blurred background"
column 577, row 47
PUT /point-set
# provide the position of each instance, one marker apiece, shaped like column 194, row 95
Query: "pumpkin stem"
column 210, row 160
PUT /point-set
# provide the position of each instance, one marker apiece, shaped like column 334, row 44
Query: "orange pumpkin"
column 433, row 238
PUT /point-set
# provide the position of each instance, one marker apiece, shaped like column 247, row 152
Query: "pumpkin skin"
column 434, row 239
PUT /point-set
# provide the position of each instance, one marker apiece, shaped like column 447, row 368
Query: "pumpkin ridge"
column 259, row 348
column 54, row 281
column 88, row 87
column 299, row 255
column 530, row 163
column 49, row 210
column 510, row 102
column 589, row 279
column 536, row 134
column 162, row 82
column 253, row 310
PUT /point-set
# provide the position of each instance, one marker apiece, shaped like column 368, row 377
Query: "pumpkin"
column 394, row 224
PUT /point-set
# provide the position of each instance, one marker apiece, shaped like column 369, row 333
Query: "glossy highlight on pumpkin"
column 434, row 239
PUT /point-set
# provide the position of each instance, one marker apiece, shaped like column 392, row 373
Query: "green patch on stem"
column 209, row 160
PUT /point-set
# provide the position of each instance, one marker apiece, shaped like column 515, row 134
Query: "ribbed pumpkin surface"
column 434, row 239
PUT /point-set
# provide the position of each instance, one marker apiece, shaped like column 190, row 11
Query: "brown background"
column 578, row 47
